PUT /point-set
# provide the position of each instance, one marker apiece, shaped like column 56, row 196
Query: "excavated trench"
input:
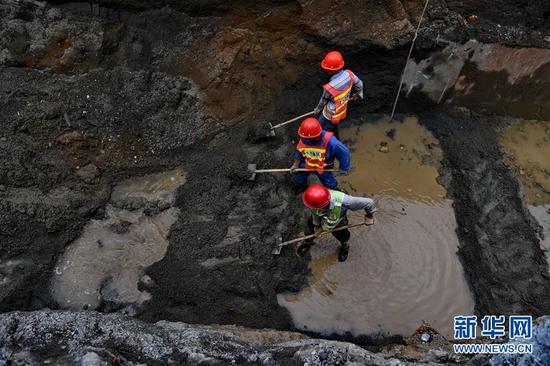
column 124, row 183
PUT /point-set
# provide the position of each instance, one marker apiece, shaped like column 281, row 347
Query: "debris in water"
column 472, row 19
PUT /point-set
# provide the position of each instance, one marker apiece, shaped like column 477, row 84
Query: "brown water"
column 403, row 270
column 107, row 261
column 527, row 148
column 404, row 166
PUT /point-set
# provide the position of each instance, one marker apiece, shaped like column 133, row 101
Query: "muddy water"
column 527, row 148
column 106, row 264
column 402, row 271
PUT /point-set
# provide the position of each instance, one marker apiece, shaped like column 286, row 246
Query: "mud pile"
column 95, row 95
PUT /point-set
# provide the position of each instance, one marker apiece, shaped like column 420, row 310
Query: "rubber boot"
column 369, row 219
column 343, row 253
column 304, row 248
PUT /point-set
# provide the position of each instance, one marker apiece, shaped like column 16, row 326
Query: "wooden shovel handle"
column 292, row 120
column 312, row 236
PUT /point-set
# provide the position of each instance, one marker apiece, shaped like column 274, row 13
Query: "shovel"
column 272, row 128
column 254, row 171
column 277, row 249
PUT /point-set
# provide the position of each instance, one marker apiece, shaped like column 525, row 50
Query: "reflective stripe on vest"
column 315, row 155
column 341, row 99
column 331, row 217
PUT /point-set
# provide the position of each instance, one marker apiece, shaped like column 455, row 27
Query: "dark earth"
column 92, row 93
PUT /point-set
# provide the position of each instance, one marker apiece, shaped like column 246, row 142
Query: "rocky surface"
column 90, row 338
column 486, row 78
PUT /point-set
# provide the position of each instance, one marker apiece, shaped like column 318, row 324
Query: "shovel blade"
column 271, row 130
column 278, row 248
column 252, row 168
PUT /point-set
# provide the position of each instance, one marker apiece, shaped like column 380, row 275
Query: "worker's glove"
column 318, row 230
column 369, row 219
column 293, row 168
column 317, row 110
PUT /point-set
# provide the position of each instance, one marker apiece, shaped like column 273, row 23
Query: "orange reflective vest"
column 341, row 99
column 315, row 155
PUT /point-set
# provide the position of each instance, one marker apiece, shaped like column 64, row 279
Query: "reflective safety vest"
column 331, row 218
column 315, row 155
column 341, row 99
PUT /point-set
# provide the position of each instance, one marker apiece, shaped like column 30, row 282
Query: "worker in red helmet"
column 316, row 151
column 332, row 107
column 329, row 211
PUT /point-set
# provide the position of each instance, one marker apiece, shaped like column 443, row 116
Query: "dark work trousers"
column 329, row 126
column 342, row 236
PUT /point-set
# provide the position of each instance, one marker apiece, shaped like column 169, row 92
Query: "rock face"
column 541, row 348
column 486, row 78
column 82, row 338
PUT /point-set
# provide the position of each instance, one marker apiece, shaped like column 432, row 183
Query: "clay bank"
column 126, row 208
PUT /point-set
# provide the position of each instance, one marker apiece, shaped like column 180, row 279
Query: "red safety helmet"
column 333, row 61
column 310, row 128
column 316, row 196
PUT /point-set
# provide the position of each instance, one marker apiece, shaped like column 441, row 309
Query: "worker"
column 316, row 151
column 329, row 211
column 332, row 107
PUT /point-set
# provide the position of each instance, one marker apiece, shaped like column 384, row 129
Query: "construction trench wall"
column 96, row 93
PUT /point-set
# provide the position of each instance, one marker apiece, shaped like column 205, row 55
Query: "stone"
column 69, row 138
column 88, row 173
column 91, row 359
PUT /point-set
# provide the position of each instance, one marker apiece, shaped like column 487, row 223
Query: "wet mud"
column 402, row 271
column 499, row 241
column 105, row 265
column 527, row 148
column 526, row 145
column 98, row 94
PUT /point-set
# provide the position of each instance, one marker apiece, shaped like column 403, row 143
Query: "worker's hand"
column 344, row 172
column 293, row 168
column 318, row 230
column 369, row 219
column 316, row 111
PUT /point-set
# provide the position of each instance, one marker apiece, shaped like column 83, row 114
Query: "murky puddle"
column 107, row 262
column 527, row 148
column 402, row 271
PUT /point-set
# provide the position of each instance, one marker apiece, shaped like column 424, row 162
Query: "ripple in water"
column 401, row 271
